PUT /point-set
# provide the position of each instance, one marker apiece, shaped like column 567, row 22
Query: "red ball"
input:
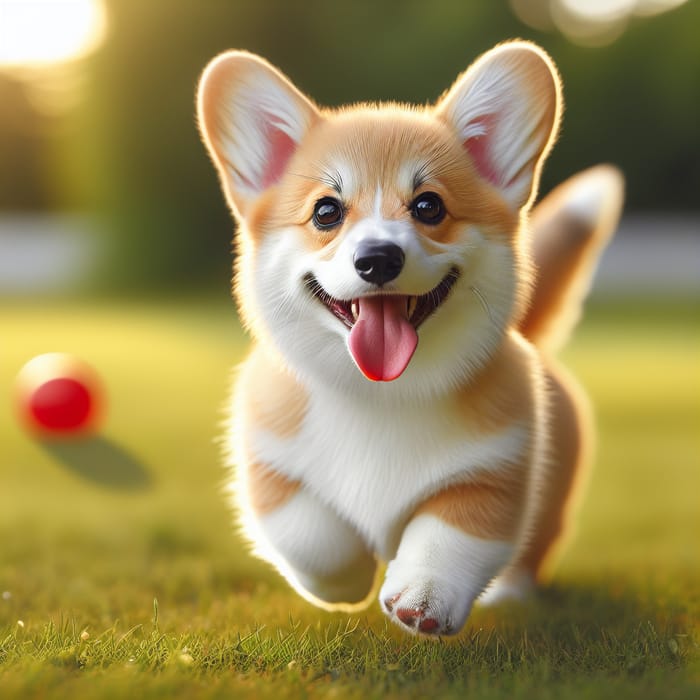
column 59, row 395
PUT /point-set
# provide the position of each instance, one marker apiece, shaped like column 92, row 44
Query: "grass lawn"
column 120, row 573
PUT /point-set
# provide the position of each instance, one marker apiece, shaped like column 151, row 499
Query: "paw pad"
column 417, row 619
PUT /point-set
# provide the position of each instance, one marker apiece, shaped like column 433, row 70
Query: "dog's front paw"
column 437, row 574
column 422, row 603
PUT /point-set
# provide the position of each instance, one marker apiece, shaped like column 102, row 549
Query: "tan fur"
column 272, row 398
column 268, row 489
column 565, row 249
column 559, row 482
column 501, row 392
column 273, row 401
column 490, row 506
column 397, row 135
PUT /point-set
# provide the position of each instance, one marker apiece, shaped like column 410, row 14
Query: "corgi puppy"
column 401, row 403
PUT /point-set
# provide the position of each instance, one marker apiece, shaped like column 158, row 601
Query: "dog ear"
column 505, row 109
column 252, row 119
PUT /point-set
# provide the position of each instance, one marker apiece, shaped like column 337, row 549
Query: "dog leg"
column 558, row 482
column 457, row 541
column 320, row 554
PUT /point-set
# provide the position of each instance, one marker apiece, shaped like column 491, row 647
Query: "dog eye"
column 328, row 213
column 428, row 208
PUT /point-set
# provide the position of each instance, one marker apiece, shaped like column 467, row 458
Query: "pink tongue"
column 382, row 341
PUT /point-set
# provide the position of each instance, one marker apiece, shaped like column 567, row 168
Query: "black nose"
column 378, row 262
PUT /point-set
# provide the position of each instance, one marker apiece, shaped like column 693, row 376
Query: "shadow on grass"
column 100, row 461
column 624, row 627
column 581, row 605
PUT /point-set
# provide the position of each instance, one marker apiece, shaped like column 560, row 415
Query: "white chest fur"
column 374, row 462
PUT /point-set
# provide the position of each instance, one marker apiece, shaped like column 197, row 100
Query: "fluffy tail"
column 570, row 229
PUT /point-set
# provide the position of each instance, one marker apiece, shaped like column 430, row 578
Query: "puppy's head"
column 381, row 237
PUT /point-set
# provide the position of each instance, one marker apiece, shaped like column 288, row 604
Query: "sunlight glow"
column 599, row 10
column 38, row 33
column 588, row 22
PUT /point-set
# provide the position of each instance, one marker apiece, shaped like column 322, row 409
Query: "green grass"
column 140, row 586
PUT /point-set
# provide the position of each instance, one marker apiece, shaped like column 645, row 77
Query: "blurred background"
column 104, row 182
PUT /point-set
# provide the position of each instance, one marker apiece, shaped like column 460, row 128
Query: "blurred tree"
column 23, row 142
column 133, row 151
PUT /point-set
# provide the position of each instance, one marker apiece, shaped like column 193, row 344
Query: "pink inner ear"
column 480, row 148
column 280, row 148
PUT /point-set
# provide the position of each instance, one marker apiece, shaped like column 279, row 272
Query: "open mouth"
column 383, row 326
column 418, row 308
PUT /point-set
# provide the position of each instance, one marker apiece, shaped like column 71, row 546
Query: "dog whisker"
column 484, row 304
